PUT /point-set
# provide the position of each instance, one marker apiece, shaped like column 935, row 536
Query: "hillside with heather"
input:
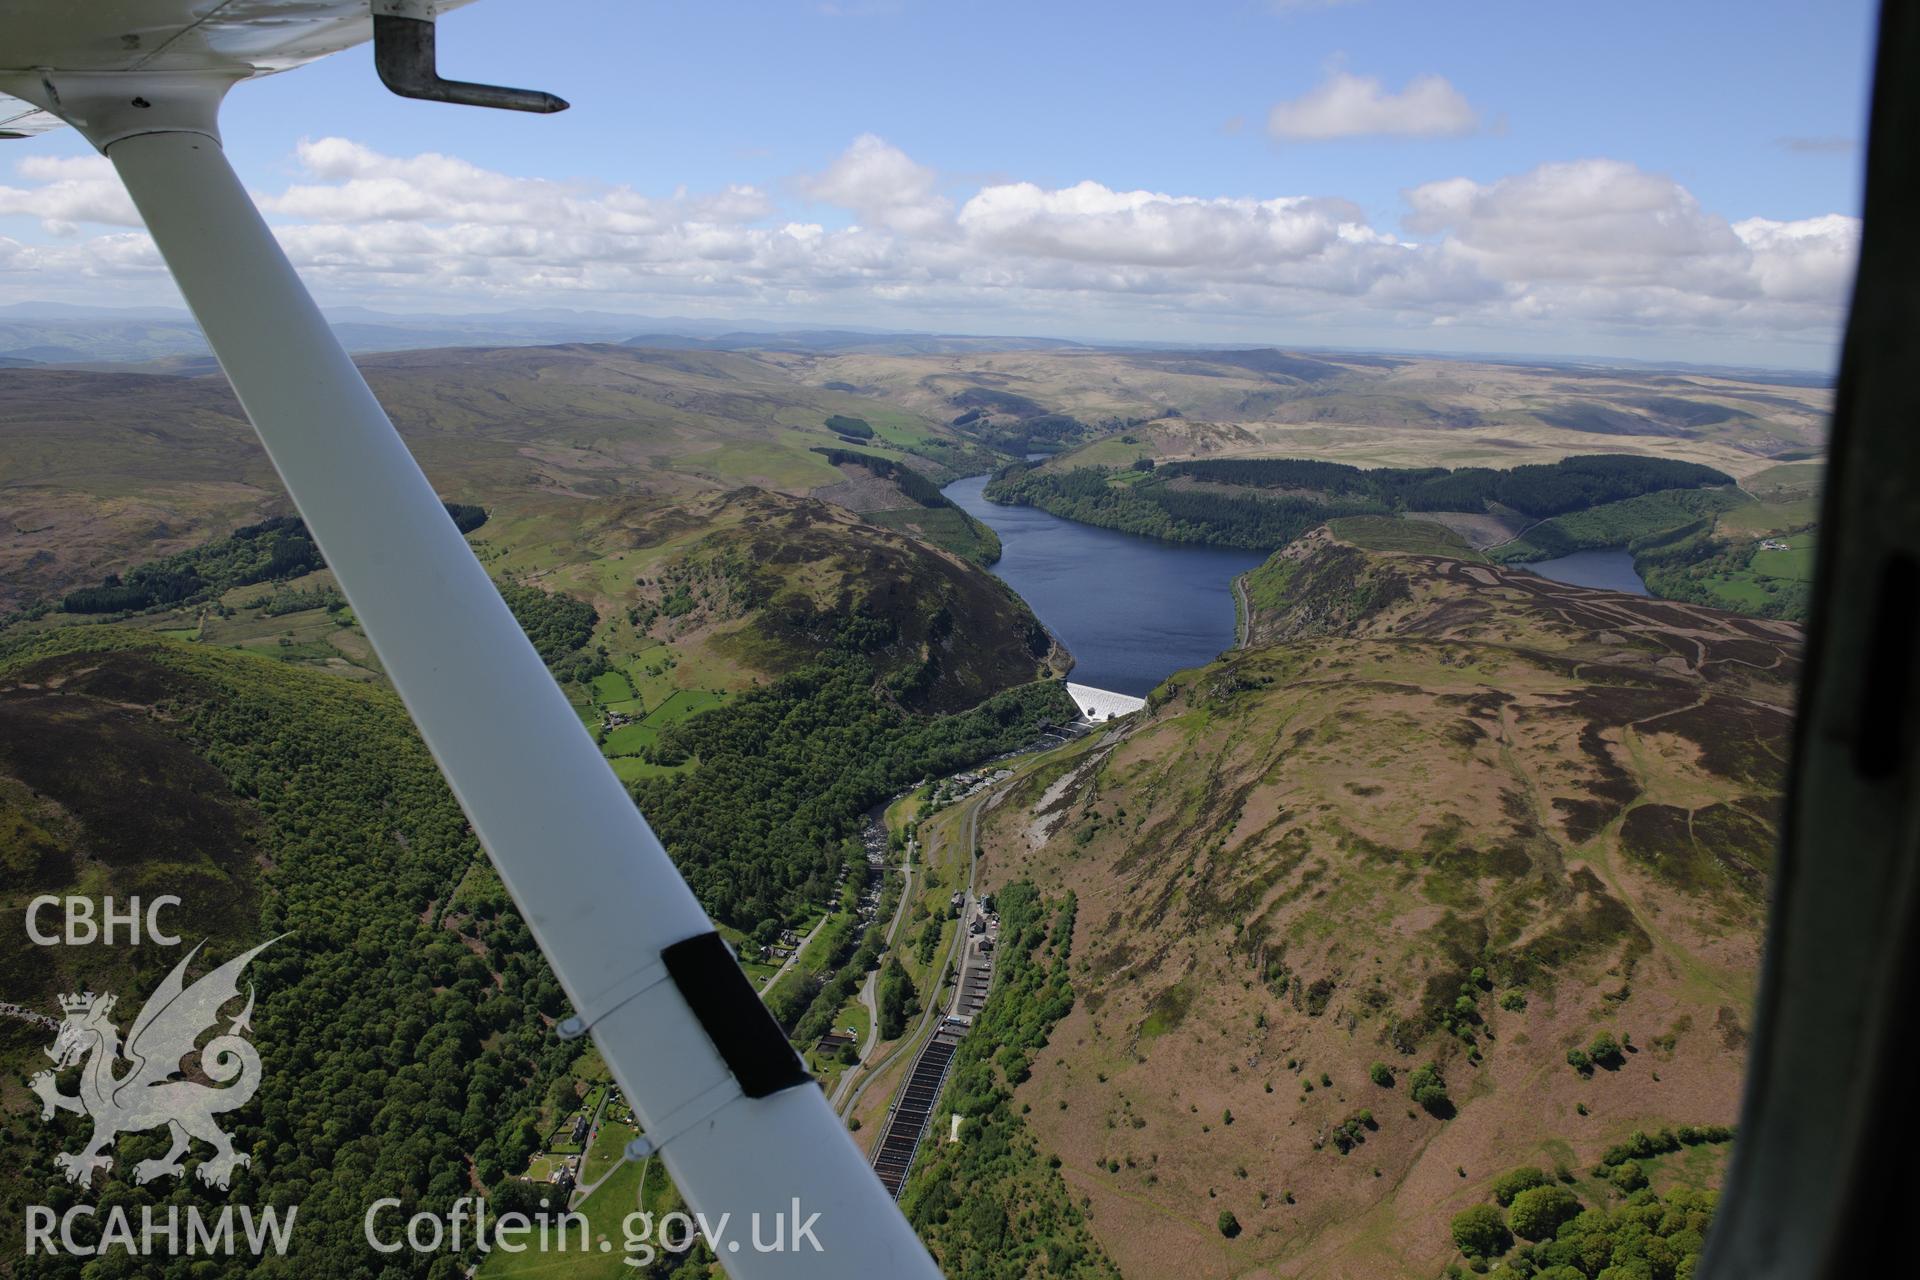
column 1454, row 871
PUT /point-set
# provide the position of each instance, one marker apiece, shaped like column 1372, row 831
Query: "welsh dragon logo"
column 149, row 1093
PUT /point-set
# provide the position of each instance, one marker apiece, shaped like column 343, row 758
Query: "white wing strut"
column 598, row 891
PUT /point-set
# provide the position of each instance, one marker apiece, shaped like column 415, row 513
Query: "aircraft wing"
column 22, row 119
column 246, row 37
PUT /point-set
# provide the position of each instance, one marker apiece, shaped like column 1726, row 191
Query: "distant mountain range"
column 65, row 334
column 58, row 334
column 51, row 333
column 852, row 342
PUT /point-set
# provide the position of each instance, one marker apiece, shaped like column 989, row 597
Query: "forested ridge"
column 1263, row 503
column 272, row 550
column 1535, row 489
column 1618, row 524
column 1156, row 511
column 372, row 1013
column 279, row 550
column 785, row 771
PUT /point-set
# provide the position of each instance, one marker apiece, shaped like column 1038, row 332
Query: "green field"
column 758, row 971
column 813, row 967
column 903, row 430
column 633, row 768
column 609, row 1148
column 1742, row 591
column 1760, row 519
column 611, row 688
column 624, row 744
column 583, row 706
column 604, row 1256
column 1750, row 589
column 1787, row 480
column 1113, row 451
column 630, row 739
column 683, row 704
column 827, row 1069
column 787, row 464
column 854, row 1014
column 906, row 808
column 1795, row 563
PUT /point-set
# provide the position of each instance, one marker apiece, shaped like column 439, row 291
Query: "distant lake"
column 1611, row 568
column 1131, row 610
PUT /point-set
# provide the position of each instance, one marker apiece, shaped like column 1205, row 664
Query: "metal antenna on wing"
column 404, row 54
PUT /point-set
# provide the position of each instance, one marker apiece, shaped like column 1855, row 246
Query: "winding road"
column 798, row 948
column 1243, row 620
column 867, row 988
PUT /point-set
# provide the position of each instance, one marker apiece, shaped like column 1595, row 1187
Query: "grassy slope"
column 1292, row 864
column 106, row 470
column 1385, row 533
column 1619, row 524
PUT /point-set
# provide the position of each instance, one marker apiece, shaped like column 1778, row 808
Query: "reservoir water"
column 1131, row 610
column 1611, row 569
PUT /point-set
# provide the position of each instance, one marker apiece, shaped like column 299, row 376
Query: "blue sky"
column 1708, row 114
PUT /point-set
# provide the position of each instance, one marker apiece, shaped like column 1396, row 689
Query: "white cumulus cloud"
column 71, row 190
column 1090, row 223
column 1568, row 250
column 1809, row 260
column 359, row 184
column 1601, row 239
column 1346, row 105
column 883, row 186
